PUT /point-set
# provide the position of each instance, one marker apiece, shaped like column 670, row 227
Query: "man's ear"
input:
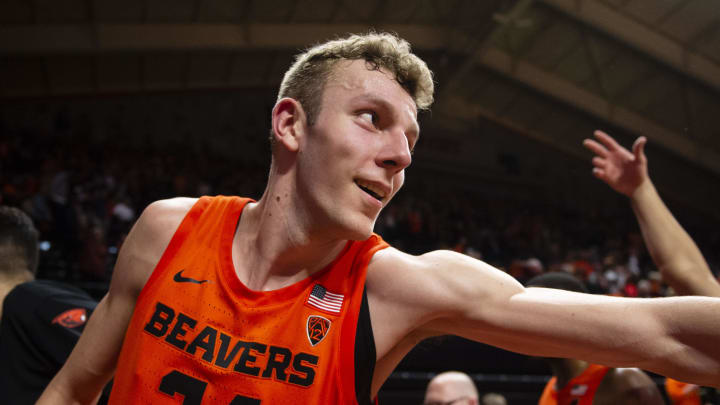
column 288, row 123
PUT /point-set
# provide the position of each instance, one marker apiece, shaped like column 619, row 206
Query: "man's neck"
column 274, row 246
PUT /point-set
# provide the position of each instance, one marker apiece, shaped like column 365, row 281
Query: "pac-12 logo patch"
column 317, row 328
column 72, row 318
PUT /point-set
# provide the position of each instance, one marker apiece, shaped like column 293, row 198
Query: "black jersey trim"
column 364, row 354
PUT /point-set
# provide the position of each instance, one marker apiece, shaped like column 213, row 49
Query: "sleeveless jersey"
column 681, row 393
column 198, row 335
column 578, row 391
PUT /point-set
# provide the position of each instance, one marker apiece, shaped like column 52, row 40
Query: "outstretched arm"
column 448, row 293
column 677, row 256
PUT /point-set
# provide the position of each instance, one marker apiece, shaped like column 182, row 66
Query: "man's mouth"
column 371, row 189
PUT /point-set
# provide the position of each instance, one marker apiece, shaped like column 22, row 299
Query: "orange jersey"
column 200, row 336
column 681, row 393
column 578, row 391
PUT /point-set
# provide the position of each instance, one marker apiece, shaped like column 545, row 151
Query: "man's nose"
column 395, row 154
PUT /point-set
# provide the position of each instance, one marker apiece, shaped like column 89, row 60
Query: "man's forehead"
column 360, row 79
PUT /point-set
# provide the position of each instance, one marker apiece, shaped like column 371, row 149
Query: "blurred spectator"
column 493, row 398
column 577, row 381
column 40, row 320
column 451, row 387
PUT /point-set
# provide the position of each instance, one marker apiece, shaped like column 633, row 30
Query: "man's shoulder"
column 399, row 264
column 391, row 257
column 147, row 241
column 393, row 268
column 394, row 263
column 35, row 289
column 387, row 256
column 163, row 217
column 169, row 212
column 50, row 297
column 169, row 208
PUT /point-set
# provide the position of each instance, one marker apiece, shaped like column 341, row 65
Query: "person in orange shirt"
column 681, row 393
column 578, row 382
column 294, row 299
column 680, row 261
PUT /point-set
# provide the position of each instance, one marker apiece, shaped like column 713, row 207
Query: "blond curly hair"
column 306, row 78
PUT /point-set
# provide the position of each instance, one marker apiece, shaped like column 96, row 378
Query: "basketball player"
column 581, row 383
column 41, row 320
column 451, row 387
column 681, row 263
column 293, row 299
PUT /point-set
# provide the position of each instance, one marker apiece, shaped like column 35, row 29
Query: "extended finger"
column 599, row 162
column 599, row 173
column 607, row 140
column 595, row 147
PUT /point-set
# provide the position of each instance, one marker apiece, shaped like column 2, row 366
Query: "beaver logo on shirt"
column 317, row 328
column 72, row 318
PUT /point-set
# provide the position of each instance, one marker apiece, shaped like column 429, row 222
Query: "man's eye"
column 369, row 116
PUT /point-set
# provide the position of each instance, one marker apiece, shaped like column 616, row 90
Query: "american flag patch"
column 321, row 298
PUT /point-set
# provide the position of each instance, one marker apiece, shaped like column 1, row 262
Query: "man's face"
column 352, row 161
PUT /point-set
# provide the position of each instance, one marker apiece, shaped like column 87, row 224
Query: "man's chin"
column 361, row 230
column 352, row 226
column 360, row 233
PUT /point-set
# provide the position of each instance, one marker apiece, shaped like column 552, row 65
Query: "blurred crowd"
column 527, row 239
column 84, row 196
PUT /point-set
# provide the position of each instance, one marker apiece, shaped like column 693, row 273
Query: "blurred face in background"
column 451, row 388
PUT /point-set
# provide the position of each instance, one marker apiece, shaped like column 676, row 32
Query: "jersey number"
column 193, row 389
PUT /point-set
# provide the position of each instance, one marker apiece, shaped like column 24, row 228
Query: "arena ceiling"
column 550, row 70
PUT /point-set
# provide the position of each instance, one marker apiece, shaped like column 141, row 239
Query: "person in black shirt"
column 40, row 320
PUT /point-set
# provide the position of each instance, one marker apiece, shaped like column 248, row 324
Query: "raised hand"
column 621, row 169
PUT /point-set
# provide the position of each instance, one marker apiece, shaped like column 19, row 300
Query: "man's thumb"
column 638, row 148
